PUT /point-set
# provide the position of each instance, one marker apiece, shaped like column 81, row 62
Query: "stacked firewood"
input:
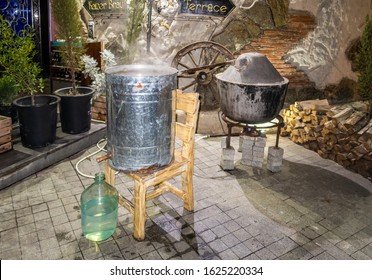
column 342, row 135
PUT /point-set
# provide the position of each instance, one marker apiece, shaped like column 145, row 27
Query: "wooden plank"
column 5, row 139
column 5, row 121
column 5, row 147
column 5, row 130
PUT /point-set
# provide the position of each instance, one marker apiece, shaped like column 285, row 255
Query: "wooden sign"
column 99, row 8
column 217, row 8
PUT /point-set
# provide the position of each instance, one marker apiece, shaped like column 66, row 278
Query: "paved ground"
column 312, row 209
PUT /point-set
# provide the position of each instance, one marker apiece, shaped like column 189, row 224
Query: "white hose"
column 100, row 149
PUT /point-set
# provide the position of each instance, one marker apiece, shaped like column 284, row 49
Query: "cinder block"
column 223, row 142
column 275, row 152
column 246, row 162
column 228, row 153
column 227, row 164
column 275, row 159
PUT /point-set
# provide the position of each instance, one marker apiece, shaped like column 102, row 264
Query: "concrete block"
column 275, row 159
column 275, row 152
column 223, row 142
column 227, row 164
column 228, row 153
column 246, row 162
column 256, row 163
column 240, row 143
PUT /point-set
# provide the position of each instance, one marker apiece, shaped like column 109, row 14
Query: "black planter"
column 9, row 111
column 75, row 110
column 37, row 123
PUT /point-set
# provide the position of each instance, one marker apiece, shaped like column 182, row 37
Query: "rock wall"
column 322, row 54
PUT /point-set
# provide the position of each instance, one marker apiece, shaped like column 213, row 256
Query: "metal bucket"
column 251, row 91
column 139, row 116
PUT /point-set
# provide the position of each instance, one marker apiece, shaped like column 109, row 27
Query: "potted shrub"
column 75, row 105
column 37, row 113
column 8, row 92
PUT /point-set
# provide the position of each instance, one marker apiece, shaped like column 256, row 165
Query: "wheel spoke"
column 214, row 58
column 192, row 58
column 184, row 65
column 189, row 85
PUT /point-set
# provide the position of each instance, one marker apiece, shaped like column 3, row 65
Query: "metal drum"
column 139, row 116
column 251, row 91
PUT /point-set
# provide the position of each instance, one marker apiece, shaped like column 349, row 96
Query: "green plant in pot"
column 8, row 92
column 37, row 113
column 75, row 105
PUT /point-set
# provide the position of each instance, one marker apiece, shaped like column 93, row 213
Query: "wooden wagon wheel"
column 197, row 63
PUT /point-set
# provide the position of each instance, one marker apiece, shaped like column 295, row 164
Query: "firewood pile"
column 342, row 134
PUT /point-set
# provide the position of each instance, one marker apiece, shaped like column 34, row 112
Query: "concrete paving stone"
column 23, row 212
column 54, row 204
column 35, row 201
column 242, row 234
column 153, row 255
column 92, row 253
column 12, row 254
column 350, row 245
column 116, row 255
column 73, row 216
column 230, row 240
column 70, row 248
column 41, row 215
column 26, row 229
column 323, row 256
column 318, row 228
column 69, row 200
column 10, row 215
column 50, row 197
column 228, row 255
column 299, row 238
column 31, row 255
column 241, row 250
column 282, row 246
column 211, row 222
column 313, row 248
column 8, row 224
column 331, row 237
column 331, row 249
column 367, row 250
column 106, row 247
column 167, row 252
column 208, row 235
column 48, row 244
column 60, row 219
column 45, row 233
column 44, row 224
column 54, row 212
column 265, row 254
column 181, row 246
column 218, row 245
column 8, row 207
column 231, row 225
column 28, row 239
column 73, row 207
column 359, row 255
column 190, row 255
column 328, row 224
column 220, row 231
column 309, row 233
column 253, row 244
column 64, row 194
column 298, row 253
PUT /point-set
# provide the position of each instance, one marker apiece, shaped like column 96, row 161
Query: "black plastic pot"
column 75, row 110
column 37, row 123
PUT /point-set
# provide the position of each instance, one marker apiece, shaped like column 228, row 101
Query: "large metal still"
column 139, row 116
column 251, row 91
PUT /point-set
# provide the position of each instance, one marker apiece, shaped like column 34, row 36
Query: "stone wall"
column 321, row 55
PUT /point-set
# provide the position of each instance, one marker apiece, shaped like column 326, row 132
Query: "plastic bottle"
column 99, row 209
